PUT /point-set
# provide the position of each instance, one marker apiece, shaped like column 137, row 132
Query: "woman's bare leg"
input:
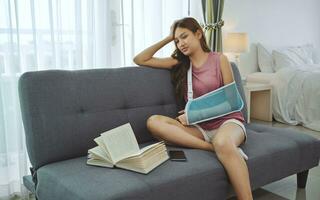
column 225, row 142
column 172, row 131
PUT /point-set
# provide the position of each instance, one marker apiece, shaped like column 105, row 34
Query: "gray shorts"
column 209, row 134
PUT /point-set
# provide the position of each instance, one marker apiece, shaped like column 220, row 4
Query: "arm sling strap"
column 214, row 104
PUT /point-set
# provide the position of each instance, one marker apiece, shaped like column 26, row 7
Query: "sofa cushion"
column 61, row 107
column 273, row 153
column 298, row 151
column 195, row 179
column 28, row 183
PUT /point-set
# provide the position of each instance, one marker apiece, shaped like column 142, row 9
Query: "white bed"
column 295, row 80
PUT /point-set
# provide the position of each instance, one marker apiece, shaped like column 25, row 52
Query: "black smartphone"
column 177, row 155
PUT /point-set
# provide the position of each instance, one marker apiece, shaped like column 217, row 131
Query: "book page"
column 144, row 153
column 98, row 153
column 148, row 165
column 146, row 148
column 100, row 143
column 120, row 142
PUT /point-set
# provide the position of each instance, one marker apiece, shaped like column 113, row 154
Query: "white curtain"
column 69, row 34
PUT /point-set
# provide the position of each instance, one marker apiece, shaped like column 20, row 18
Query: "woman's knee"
column 154, row 121
column 223, row 146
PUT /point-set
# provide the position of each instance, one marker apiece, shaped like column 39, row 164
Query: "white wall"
column 274, row 23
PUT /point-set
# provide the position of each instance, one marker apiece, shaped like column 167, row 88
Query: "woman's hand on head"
column 171, row 30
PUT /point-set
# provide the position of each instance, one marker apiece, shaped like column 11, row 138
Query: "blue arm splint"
column 217, row 103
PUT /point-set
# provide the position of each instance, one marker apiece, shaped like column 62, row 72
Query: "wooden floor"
column 287, row 188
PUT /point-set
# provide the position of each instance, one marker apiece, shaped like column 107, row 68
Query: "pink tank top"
column 207, row 78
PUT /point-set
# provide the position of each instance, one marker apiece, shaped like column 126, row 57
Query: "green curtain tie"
column 214, row 26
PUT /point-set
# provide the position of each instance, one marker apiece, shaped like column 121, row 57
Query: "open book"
column 119, row 147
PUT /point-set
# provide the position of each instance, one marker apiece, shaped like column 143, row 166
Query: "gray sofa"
column 63, row 111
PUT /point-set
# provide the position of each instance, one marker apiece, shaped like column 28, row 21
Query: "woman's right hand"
column 171, row 30
column 146, row 57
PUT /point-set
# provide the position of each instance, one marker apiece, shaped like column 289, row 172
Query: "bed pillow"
column 281, row 60
column 285, row 58
column 293, row 56
column 316, row 56
column 265, row 60
column 304, row 52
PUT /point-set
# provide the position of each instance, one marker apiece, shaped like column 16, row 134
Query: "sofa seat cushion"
column 273, row 153
column 196, row 178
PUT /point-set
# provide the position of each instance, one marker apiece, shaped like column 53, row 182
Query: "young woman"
column 210, row 70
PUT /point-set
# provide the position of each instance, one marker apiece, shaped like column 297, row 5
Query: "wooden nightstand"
column 259, row 101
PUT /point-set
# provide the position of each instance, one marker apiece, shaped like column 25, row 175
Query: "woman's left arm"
column 227, row 77
column 226, row 71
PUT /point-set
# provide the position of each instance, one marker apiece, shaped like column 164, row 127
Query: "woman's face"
column 187, row 41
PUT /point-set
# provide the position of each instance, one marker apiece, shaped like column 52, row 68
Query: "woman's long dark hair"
column 179, row 71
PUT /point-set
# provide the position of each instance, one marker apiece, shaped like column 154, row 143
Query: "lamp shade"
column 236, row 42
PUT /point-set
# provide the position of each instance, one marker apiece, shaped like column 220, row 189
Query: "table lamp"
column 236, row 43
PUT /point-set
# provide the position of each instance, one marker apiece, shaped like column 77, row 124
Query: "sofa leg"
column 302, row 179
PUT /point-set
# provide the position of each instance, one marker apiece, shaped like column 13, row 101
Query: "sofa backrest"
column 238, row 80
column 63, row 111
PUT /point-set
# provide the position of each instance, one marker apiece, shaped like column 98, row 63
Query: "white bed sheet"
column 296, row 94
